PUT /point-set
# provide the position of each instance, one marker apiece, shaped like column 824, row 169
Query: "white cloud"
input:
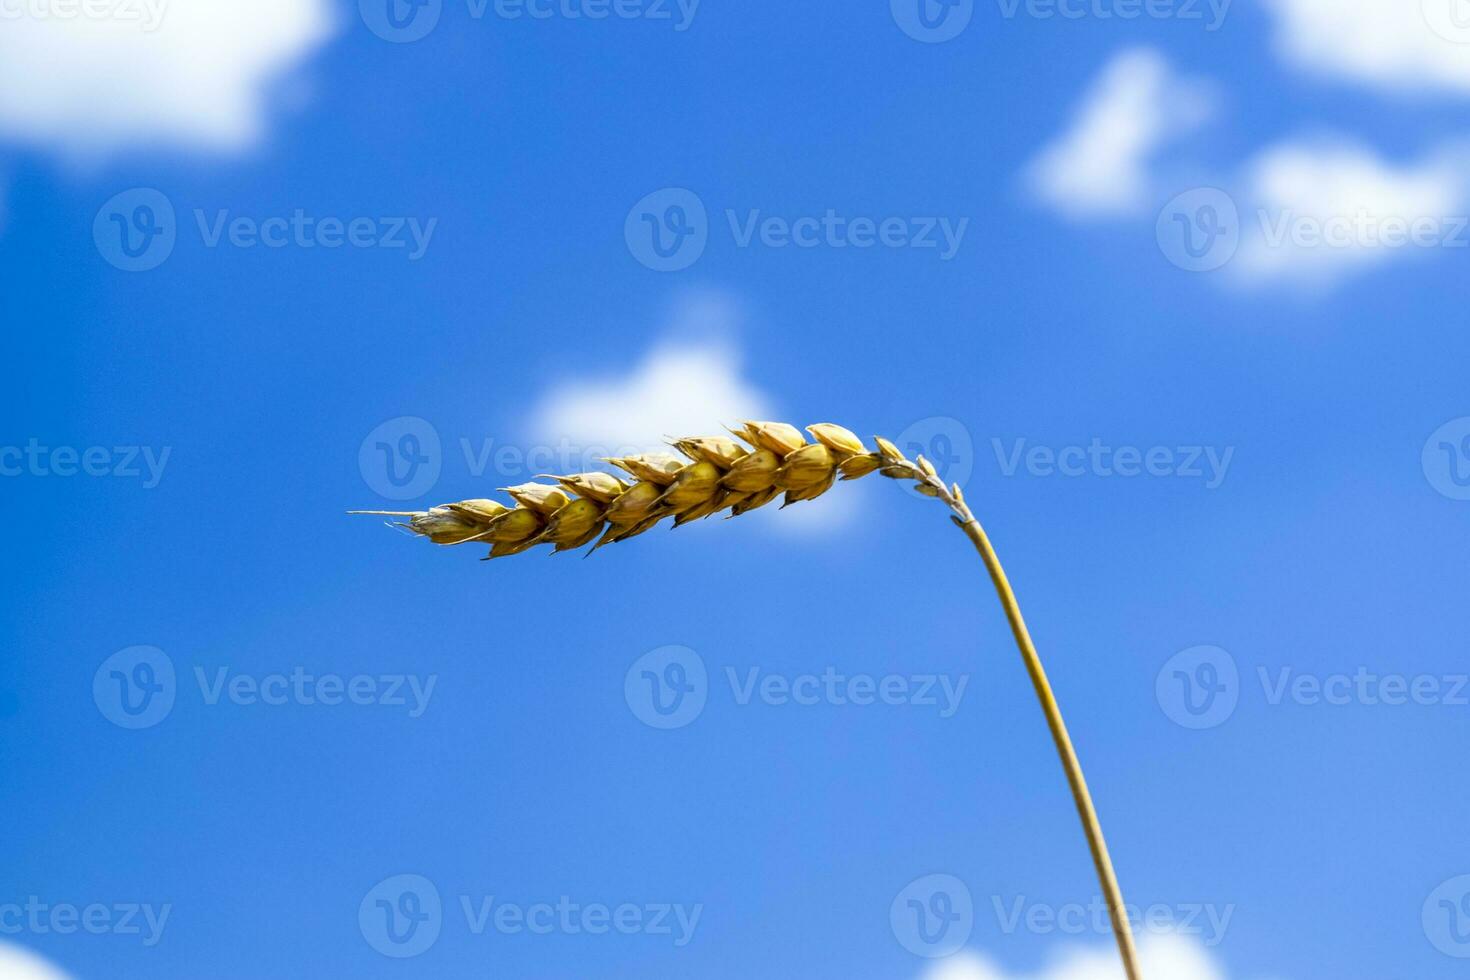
column 1100, row 165
column 678, row 389
column 1398, row 44
column 1310, row 211
column 148, row 72
column 1320, row 210
column 17, row 963
column 1160, row 958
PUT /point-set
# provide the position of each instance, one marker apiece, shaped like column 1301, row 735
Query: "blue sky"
column 1227, row 472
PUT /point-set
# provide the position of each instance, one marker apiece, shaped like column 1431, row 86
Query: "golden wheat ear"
column 719, row 474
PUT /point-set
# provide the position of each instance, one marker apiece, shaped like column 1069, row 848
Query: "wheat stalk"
column 720, row 474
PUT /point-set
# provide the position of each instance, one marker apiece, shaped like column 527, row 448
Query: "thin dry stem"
column 1091, row 826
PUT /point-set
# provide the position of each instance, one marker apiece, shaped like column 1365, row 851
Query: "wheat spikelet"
column 719, row 474
column 714, row 475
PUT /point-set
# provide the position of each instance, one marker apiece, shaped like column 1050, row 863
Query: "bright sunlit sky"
column 1175, row 289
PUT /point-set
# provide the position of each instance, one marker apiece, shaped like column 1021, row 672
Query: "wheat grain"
column 719, row 474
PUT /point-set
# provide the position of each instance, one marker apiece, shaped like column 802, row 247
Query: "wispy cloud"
column 1161, row 958
column 1321, row 209
column 1405, row 45
column 678, row 388
column 122, row 73
column 17, row 963
column 1303, row 210
column 1100, row 164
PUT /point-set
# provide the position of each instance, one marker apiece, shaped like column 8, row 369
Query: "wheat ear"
column 720, row 474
